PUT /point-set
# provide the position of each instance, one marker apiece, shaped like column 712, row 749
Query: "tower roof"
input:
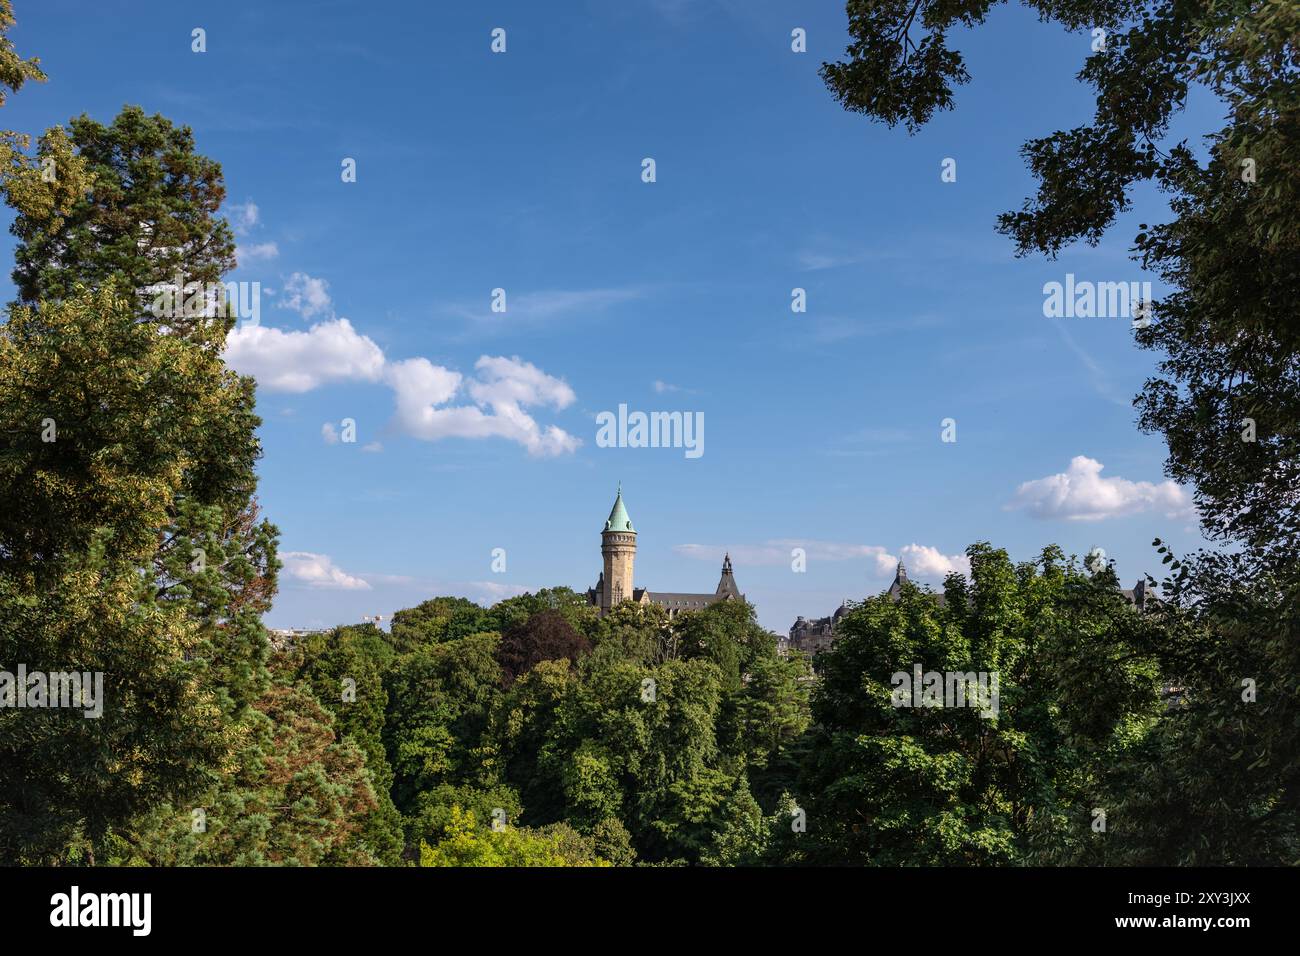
column 618, row 519
column 727, row 584
column 899, row 577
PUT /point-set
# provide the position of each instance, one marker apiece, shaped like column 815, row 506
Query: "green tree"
column 514, row 611
column 1226, row 398
column 436, row 620
column 128, row 456
column 635, row 632
column 465, row 843
column 129, row 207
column 773, row 718
column 889, row 783
column 439, row 697
column 626, row 741
column 728, row 634
column 14, row 70
column 345, row 669
column 89, row 473
column 149, row 216
column 1216, row 781
column 296, row 796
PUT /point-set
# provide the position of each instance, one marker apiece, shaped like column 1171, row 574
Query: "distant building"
column 1138, row 596
column 616, row 583
column 284, row 638
column 813, row 635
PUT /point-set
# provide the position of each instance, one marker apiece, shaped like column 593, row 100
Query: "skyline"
column 478, row 430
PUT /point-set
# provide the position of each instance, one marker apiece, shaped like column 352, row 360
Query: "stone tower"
column 618, row 548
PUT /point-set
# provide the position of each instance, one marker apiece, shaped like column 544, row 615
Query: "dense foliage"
column 1217, row 779
column 536, row 732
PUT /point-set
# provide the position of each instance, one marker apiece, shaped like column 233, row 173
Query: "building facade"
column 617, row 583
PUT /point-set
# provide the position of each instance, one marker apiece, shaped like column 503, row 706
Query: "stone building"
column 812, row 635
column 815, row 635
column 617, row 584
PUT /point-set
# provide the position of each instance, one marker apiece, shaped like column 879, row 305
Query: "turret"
column 618, row 548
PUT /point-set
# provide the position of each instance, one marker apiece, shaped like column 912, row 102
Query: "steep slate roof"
column 727, row 583
column 726, row 590
column 1137, row 595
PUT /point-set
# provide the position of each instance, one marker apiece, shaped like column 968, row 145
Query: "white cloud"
column 504, row 386
column 924, row 561
column 320, row 571
column 1080, row 493
column 506, row 382
column 306, row 295
column 261, row 251
column 329, row 433
column 493, row 401
column 373, row 447
column 300, row 361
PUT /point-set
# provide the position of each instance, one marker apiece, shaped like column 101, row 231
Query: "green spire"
column 618, row 519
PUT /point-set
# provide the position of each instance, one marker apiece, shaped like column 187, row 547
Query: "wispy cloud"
column 306, row 295
column 493, row 591
column 243, row 216
column 667, row 388
column 834, row 329
column 814, row 261
column 257, row 252
column 544, row 305
column 1097, row 376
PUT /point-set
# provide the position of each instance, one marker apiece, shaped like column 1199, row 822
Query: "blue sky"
column 523, row 171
